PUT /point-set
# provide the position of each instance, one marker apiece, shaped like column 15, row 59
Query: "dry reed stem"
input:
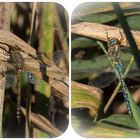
column 5, row 10
column 98, row 31
column 32, row 64
column 43, row 123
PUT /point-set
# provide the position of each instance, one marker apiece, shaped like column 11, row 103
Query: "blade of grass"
column 118, row 87
column 46, row 40
column 135, row 109
column 102, row 47
column 5, row 12
column 85, row 96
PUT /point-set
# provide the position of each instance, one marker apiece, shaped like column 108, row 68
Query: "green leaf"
column 135, row 109
column 101, row 12
column 105, row 130
column 83, row 42
column 122, row 120
column 104, row 18
column 39, row 134
column 115, row 126
column 47, row 40
column 133, row 21
column 85, row 68
column 97, row 7
column 84, row 96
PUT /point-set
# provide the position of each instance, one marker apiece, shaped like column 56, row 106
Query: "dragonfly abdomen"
column 119, row 67
column 125, row 95
column 18, row 86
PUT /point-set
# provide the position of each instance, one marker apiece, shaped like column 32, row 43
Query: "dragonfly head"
column 113, row 41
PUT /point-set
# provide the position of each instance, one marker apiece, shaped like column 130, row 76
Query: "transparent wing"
column 10, row 76
column 103, row 80
column 98, row 70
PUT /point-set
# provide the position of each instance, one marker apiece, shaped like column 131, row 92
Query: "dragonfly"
column 17, row 59
column 114, row 55
column 16, row 69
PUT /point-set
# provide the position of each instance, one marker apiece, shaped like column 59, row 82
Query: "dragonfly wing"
column 9, row 79
column 86, row 68
column 126, row 54
column 30, row 78
column 103, row 80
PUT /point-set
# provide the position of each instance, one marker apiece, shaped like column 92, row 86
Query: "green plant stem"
column 118, row 86
column 102, row 47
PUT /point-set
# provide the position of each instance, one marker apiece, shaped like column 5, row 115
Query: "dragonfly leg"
column 122, row 38
column 108, row 38
column 2, row 73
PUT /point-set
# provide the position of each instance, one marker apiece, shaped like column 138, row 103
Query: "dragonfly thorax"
column 114, row 49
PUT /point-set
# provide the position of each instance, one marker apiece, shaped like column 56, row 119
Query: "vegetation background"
column 47, row 25
column 94, row 79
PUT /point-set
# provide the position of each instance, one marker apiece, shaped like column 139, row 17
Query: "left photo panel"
column 34, row 70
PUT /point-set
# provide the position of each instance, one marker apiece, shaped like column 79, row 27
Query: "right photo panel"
column 105, row 69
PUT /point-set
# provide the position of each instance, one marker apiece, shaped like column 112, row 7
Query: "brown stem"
column 5, row 10
column 42, row 123
column 98, row 31
column 32, row 64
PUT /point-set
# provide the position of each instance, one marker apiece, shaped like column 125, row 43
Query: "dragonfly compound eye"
column 113, row 41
